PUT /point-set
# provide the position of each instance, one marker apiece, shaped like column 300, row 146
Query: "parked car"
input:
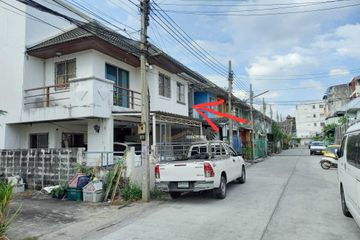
column 317, row 147
column 349, row 173
column 209, row 166
column 120, row 148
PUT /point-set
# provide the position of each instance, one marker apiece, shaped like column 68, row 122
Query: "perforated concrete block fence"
column 40, row 167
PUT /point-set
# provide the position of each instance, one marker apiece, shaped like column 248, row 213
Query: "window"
column 64, row 71
column 315, row 124
column 314, row 116
column 314, row 106
column 322, row 124
column 212, row 99
column 39, row 140
column 164, row 86
column 72, row 140
column 120, row 78
column 180, row 92
column 353, row 150
column 321, row 106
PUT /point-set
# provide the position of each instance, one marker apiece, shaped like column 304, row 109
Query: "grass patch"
column 131, row 192
column 156, row 194
column 30, row 238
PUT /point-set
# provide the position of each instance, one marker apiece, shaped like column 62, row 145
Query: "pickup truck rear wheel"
column 175, row 195
column 221, row 191
column 242, row 179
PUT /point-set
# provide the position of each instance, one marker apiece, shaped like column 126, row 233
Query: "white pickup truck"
column 209, row 166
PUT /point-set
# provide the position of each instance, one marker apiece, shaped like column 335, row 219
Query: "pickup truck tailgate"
column 182, row 171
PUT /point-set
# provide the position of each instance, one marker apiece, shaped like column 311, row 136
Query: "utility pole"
column 252, row 122
column 277, row 116
column 264, row 115
column 271, row 113
column 144, row 127
column 230, row 122
column 264, row 122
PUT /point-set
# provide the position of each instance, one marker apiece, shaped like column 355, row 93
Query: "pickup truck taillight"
column 157, row 171
column 209, row 171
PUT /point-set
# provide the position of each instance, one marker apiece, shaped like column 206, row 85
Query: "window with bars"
column 164, row 86
column 180, row 92
column 39, row 140
column 63, row 72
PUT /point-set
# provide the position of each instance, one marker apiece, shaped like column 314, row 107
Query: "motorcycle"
column 328, row 162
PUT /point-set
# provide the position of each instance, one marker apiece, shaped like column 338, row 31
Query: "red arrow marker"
column 202, row 107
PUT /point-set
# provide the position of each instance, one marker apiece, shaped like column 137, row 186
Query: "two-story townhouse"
column 81, row 88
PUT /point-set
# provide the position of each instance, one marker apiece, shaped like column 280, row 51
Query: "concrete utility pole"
column 144, row 127
column 271, row 113
column 230, row 122
column 252, row 122
column 264, row 115
column 277, row 116
column 264, row 122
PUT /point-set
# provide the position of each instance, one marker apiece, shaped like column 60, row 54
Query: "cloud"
column 338, row 72
column 277, row 64
column 344, row 41
column 311, row 84
column 241, row 94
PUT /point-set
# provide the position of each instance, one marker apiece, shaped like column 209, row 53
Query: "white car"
column 317, row 147
column 209, row 166
column 120, row 148
column 349, row 173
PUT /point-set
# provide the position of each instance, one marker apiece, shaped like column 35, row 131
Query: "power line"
column 216, row 4
column 195, row 53
column 302, row 5
column 214, row 14
column 188, row 41
column 90, row 12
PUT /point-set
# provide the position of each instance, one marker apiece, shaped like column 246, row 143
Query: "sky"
column 295, row 56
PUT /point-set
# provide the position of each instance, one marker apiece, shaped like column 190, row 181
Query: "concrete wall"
column 39, row 168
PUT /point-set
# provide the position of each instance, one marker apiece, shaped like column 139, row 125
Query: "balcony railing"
column 89, row 91
column 127, row 98
column 46, row 96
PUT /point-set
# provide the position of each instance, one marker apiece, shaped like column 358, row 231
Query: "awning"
column 160, row 117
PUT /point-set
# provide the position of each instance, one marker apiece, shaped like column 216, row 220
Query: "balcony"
column 81, row 97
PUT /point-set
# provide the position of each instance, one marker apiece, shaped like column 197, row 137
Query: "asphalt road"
column 285, row 197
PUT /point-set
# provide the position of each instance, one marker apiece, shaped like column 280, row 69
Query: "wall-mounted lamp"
column 97, row 128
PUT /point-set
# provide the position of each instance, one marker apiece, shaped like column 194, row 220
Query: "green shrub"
column 131, row 192
column 157, row 194
column 6, row 215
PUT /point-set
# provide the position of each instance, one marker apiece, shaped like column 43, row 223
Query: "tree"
column 329, row 132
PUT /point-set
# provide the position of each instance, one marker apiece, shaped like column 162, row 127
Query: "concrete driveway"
column 285, row 197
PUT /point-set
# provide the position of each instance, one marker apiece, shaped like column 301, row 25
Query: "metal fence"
column 177, row 151
column 103, row 159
